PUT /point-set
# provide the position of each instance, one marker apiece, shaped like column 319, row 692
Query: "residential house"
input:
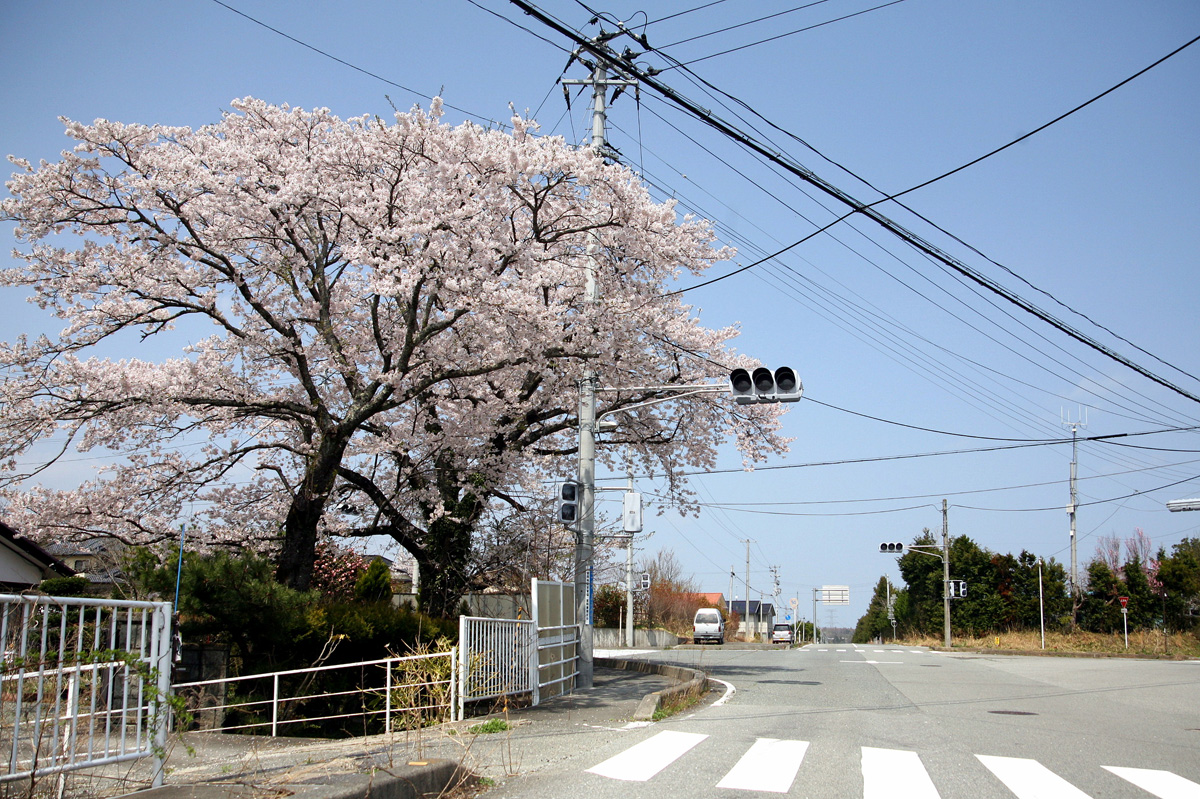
column 24, row 564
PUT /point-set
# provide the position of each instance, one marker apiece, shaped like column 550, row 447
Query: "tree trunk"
column 443, row 580
column 299, row 551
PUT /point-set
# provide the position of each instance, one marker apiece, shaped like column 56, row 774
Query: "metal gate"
column 504, row 657
column 82, row 683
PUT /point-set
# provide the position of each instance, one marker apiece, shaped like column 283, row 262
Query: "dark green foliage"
column 874, row 624
column 1179, row 576
column 64, row 586
column 1100, row 612
column 374, row 584
column 609, row 605
column 235, row 600
column 1144, row 606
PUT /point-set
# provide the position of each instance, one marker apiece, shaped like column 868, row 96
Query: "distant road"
column 886, row 721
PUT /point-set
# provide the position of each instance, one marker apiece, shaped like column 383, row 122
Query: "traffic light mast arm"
column 918, row 548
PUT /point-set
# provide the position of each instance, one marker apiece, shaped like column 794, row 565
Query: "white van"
column 708, row 626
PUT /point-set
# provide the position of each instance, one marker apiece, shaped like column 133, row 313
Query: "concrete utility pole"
column 585, row 540
column 629, row 582
column 1075, row 591
column 946, row 574
column 746, row 601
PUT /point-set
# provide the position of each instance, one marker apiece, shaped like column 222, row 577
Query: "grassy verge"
column 1141, row 643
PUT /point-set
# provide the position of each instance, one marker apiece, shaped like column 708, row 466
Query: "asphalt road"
column 882, row 721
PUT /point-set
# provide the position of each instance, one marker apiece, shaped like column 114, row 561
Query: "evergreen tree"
column 1099, row 611
column 874, row 623
column 1143, row 604
column 1179, row 575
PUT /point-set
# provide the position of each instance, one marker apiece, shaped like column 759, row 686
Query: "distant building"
column 23, row 564
column 756, row 617
column 97, row 559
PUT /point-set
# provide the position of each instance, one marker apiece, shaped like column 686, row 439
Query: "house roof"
column 24, row 563
column 755, row 608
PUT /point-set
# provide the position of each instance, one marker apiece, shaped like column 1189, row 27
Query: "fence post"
column 464, row 648
column 160, row 706
column 387, row 702
column 275, row 705
column 454, row 684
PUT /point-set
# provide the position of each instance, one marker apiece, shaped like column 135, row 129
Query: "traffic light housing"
column 892, row 548
column 958, row 589
column 569, row 496
column 763, row 385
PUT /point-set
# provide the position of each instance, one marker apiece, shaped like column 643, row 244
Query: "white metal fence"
column 83, row 683
column 506, row 657
column 413, row 688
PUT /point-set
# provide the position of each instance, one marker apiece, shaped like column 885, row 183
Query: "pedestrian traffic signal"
column 958, row 588
column 892, row 548
column 568, row 503
column 763, row 385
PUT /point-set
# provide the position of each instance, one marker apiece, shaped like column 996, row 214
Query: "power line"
column 855, row 205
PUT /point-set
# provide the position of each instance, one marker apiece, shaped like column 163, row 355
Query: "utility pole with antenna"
column 1080, row 421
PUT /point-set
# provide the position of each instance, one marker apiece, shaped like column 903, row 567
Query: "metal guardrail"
column 282, row 704
column 83, row 683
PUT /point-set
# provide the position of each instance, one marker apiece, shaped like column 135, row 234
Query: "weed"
column 489, row 726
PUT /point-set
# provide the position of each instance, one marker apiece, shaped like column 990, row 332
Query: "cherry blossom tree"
column 290, row 325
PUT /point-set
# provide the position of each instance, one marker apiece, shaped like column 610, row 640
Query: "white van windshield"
column 707, row 617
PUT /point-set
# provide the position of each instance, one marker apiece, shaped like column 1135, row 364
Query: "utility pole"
column 1075, row 591
column 746, row 605
column 585, row 540
column 629, row 582
column 946, row 574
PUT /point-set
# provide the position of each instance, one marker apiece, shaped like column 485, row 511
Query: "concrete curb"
column 408, row 781
column 689, row 682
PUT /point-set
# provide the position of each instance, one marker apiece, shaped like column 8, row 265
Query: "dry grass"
column 1141, row 643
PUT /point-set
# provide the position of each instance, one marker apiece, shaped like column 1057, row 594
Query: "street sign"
column 787, row 617
column 793, row 602
column 835, row 594
column 1124, row 602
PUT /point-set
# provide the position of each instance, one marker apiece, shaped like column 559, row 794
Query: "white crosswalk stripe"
column 769, row 765
column 642, row 761
column 895, row 774
column 1162, row 784
column 773, row 765
column 1029, row 779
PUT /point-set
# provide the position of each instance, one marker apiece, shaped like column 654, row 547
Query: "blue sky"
column 1099, row 211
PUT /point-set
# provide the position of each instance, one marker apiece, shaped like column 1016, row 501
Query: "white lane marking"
column 895, row 774
column 769, row 765
column 730, row 690
column 1162, row 784
column 642, row 761
column 1029, row 779
column 872, row 662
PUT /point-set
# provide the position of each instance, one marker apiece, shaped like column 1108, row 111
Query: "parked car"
column 781, row 634
column 707, row 625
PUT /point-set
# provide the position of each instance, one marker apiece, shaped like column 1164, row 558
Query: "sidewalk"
column 403, row 764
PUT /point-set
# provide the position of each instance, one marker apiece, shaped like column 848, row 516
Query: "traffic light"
column 892, row 548
column 569, row 495
column 958, row 588
column 763, row 385
column 645, row 581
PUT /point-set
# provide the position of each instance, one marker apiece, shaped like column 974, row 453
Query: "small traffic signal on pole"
column 568, row 503
column 892, row 548
column 645, row 581
column 763, row 385
column 958, row 589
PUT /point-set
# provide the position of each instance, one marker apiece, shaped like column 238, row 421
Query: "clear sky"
column 1100, row 211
